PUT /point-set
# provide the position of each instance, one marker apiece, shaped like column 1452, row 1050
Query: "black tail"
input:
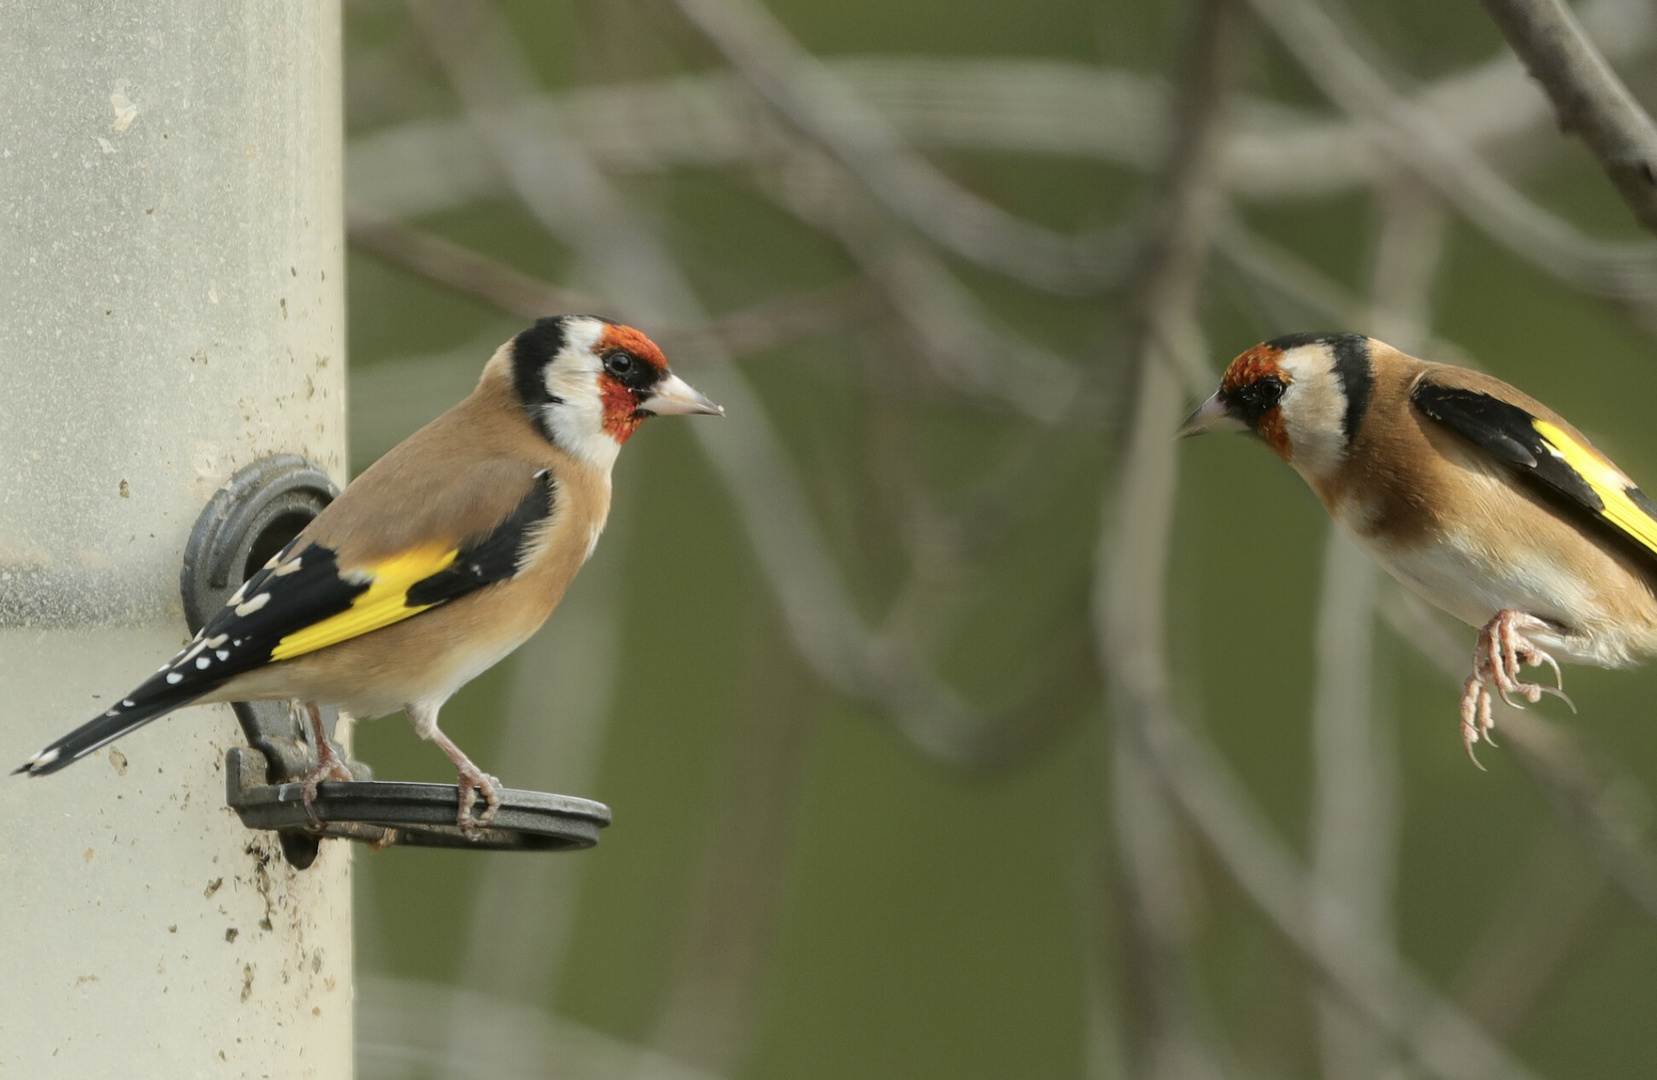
column 154, row 698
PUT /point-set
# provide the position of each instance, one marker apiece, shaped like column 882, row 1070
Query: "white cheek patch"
column 1314, row 415
column 578, row 426
column 576, row 415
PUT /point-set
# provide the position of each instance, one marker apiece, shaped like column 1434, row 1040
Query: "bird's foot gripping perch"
column 330, row 766
column 473, row 782
column 1501, row 651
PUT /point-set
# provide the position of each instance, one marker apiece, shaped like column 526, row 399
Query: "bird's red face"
column 634, row 383
column 1248, row 400
column 632, row 366
column 1251, row 388
column 588, row 383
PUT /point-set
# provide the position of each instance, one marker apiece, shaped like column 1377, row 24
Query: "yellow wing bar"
column 384, row 603
column 1609, row 484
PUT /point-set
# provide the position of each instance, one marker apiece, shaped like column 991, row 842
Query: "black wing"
column 1546, row 454
column 300, row 602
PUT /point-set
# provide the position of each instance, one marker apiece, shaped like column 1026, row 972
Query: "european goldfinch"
column 1480, row 499
column 436, row 562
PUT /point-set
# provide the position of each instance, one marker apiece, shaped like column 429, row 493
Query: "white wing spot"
column 236, row 597
column 222, row 654
column 174, row 678
column 129, row 703
column 41, row 760
column 202, row 662
column 254, row 604
column 287, row 568
column 216, row 642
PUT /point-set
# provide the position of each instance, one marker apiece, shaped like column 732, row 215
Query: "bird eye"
column 1255, row 399
column 618, row 363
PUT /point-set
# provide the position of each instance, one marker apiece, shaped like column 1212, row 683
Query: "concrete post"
column 171, row 308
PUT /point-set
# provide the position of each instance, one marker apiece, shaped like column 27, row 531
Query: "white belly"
column 1463, row 578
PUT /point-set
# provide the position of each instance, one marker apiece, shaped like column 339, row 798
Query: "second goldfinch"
column 436, row 562
column 1479, row 498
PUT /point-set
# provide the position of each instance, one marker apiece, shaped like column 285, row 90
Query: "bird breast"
column 1599, row 610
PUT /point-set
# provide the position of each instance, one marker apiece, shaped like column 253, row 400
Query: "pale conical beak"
column 1211, row 415
column 674, row 396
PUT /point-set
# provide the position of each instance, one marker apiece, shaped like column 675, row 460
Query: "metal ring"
column 262, row 507
column 422, row 815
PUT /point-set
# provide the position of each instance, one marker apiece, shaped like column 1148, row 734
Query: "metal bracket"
column 423, row 815
column 251, row 518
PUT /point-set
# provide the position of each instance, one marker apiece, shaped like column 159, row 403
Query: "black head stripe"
column 1295, row 341
column 1352, row 367
column 532, row 351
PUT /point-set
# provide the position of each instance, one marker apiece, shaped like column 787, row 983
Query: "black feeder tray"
column 250, row 519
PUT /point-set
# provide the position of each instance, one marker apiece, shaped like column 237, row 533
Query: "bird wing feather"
column 307, row 598
column 1545, row 451
column 335, row 605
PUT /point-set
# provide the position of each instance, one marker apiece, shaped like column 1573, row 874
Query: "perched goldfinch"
column 1481, row 499
column 441, row 558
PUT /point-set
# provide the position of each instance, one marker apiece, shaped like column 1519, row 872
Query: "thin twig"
column 767, row 325
column 1556, row 910
column 465, row 270
column 1174, row 1040
column 808, row 93
column 707, row 120
column 402, row 1026
column 1377, row 983
column 1353, row 822
column 715, row 1000
column 964, row 345
column 1591, row 100
column 1354, row 818
column 1627, row 271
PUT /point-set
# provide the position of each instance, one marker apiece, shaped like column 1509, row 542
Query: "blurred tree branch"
column 1173, row 1039
column 1626, row 271
column 809, row 94
column 1004, row 104
column 966, row 347
column 770, row 324
column 1354, row 822
column 1591, row 100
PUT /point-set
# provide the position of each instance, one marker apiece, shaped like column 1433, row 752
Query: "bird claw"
column 330, row 766
column 1476, row 721
column 333, row 767
column 1499, row 657
column 474, row 781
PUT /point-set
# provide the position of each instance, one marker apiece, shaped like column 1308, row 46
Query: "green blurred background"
column 791, row 887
